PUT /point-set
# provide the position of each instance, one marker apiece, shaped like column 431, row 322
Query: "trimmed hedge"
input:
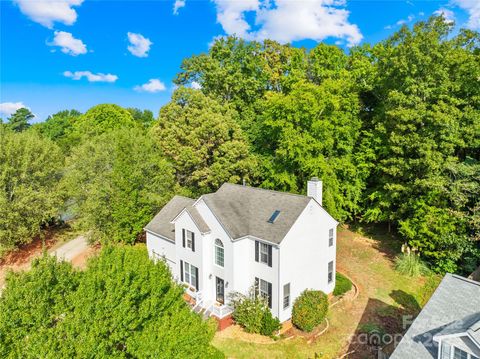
column 342, row 284
column 309, row 309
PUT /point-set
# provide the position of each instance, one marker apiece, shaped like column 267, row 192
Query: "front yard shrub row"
column 342, row 285
column 309, row 309
column 253, row 314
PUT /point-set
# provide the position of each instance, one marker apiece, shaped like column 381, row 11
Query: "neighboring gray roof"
column 160, row 224
column 455, row 304
column 244, row 210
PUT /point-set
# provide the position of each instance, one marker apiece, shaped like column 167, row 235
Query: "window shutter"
column 257, row 286
column 196, row 278
column 256, row 252
column 181, row 270
column 269, row 295
column 193, row 242
column 269, row 256
column 183, row 237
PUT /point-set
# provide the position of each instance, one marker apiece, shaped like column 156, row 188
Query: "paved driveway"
column 71, row 249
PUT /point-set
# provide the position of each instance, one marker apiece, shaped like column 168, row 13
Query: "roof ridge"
column 179, row 195
column 459, row 277
column 265, row 189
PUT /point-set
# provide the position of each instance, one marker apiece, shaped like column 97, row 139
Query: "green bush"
column 253, row 314
column 410, row 264
column 342, row 285
column 270, row 324
column 309, row 309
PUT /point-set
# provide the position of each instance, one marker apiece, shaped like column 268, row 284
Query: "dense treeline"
column 392, row 129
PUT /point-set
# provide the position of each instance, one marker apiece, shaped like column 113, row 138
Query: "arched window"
column 219, row 254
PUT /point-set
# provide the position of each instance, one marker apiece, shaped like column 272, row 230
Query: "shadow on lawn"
column 382, row 325
column 384, row 239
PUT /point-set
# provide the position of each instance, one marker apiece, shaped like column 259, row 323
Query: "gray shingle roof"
column 198, row 219
column 244, row 210
column 160, row 224
column 456, row 302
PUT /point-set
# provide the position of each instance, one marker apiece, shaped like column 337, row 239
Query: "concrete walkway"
column 71, row 249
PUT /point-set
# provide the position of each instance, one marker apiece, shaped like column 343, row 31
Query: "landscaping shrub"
column 253, row 314
column 270, row 324
column 309, row 309
column 342, row 284
column 410, row 264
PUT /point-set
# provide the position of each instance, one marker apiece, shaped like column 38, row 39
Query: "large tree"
column 123, row 305
column 58, row 127
column 426, row 123
column 18, row 121
column 30, row 169
column 201, row 138
column 313, row 131
column 116, row 182
column 100, row 119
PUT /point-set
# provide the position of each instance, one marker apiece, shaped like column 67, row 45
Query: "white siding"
column 159, row 247
column 305, row 254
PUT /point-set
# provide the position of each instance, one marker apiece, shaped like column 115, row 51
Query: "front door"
column 220, row 290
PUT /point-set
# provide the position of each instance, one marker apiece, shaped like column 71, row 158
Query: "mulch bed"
column 24, row 252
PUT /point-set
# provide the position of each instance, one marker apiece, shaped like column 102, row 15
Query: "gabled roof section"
column 161, row 223
column 454, row 308
column 244, row 211
column 198, row 219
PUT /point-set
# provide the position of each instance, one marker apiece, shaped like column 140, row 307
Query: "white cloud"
column 472, row 7
column 47, row 12
column 153, row 85
column 91, row 77
column 139, row 45
column 409, row 19
column 287, row 20
column 401, row 22
column 8, row 108
column 69, row 45
column 448, row 15
column 195, row 85
column 177, row 6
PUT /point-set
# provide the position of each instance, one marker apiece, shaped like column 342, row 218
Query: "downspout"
column 278, row 284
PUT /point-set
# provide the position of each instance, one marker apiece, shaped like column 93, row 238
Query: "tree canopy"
column 200, row 137
column 18, row 121
column 116, row 182
column 30, row 168
column 122, row 305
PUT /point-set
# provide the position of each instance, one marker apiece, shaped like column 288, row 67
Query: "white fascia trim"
column 276, row 245
column 193, row 220
column 447, row 336
column 158, row 235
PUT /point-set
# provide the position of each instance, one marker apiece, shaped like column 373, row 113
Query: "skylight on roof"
column 274, row 216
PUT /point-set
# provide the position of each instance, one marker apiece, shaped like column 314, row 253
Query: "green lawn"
column 385, row 296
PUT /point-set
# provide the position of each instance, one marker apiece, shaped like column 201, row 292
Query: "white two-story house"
column 243, row 236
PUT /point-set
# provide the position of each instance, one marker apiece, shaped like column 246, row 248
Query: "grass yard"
column 385, row 297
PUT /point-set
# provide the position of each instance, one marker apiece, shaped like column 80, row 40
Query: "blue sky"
column 65, row 54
